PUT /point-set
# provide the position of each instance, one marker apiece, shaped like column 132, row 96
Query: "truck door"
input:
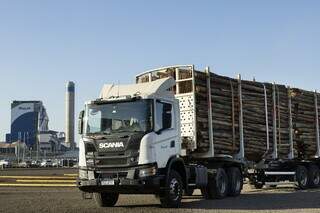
column 166, row 144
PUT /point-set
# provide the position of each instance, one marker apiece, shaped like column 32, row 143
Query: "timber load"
column 272, row 120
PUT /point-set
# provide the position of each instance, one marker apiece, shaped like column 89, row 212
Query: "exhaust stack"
column 70, row 114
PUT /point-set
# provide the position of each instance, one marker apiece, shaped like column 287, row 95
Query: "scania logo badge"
column 111, row 145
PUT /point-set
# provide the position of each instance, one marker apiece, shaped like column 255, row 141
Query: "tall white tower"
column 70, row 114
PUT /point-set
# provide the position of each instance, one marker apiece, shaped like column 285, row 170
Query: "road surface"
column 69, row 199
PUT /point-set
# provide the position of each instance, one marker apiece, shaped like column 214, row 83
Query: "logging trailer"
column 178, row 129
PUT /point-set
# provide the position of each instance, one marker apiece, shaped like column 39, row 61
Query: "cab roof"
column 149, row 89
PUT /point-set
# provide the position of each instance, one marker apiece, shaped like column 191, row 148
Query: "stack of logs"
column 257, row 99
column 303, row 113
column 225, row 118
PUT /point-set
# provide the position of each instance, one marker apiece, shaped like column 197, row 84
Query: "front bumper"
column 112, row 181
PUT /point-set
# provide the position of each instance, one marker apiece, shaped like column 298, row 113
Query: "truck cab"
column 129, row 138
column 156, row 137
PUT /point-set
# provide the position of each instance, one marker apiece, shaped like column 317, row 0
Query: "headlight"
column 147, row 172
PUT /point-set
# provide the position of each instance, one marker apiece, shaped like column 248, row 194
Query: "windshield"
column 108, row 118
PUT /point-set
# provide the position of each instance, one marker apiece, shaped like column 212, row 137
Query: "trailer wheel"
column 188, row 192
column 106, row 199
column 235, row 181
column 217, row 187
column 171, row 198
column 302, row 177
column 314, row 176
column 258, row 185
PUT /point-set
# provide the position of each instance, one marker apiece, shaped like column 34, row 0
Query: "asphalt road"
column 68, row 199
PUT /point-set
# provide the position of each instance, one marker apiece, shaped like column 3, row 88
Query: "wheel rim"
column 175, row 189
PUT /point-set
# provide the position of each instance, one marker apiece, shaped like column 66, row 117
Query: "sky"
column 44, row 44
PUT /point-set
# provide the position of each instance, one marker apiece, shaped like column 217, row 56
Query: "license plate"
column 107, row 182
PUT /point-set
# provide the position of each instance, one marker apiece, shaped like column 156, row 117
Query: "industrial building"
column 29, row 124
column 28, row 118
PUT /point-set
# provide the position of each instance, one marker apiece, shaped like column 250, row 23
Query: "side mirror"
column 80, row 122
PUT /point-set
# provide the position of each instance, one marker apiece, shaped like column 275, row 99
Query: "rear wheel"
column 217, row 187
column 235, row 181
column 258, row 185
column 106, row 199
column 188, row 192
column 314, row 176
column 302, row 177
column 171, row 198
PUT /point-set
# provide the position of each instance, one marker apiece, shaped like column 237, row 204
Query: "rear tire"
column 171, row 198
column 314, row 176
column 235, row 181
column 302, row 177
column 217, row 187
column 106, row 199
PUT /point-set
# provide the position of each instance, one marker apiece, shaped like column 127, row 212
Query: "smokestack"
column 70, row 114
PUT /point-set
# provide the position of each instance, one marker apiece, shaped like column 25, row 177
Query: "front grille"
column 111, row 161
column 114, row 175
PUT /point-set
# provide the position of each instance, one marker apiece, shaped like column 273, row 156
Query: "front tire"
column 302, row 177
column 314, row 176
column 106, row 199
column 171, row 198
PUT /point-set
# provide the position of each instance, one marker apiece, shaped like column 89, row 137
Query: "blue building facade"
column 28, row 118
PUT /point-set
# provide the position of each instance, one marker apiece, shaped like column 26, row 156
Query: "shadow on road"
column 267, row 199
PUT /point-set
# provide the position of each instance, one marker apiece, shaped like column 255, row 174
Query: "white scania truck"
column 156, row 137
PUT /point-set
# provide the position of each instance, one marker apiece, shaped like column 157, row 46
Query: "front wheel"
column 106, row 199
column 171, row 197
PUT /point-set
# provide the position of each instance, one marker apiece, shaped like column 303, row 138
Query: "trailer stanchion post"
column 266, row 116
column 240, row 155
column 317, row 123
column 177, row 78
column 275, row 144
column 211, row 144
column 194, row 107
column 291, row 153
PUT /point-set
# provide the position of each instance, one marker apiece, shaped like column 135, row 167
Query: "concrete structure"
column 28, row 118
column 11, row 150
column 70, row 114
column 51, row 141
